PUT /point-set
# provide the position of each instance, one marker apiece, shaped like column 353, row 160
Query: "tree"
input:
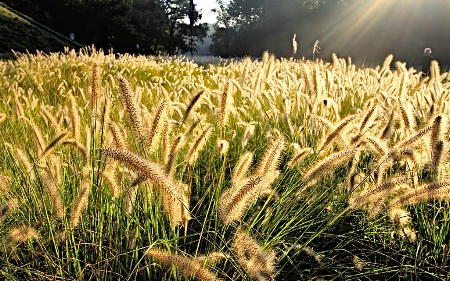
column 234, row 19
column 249, row 27
column 149, row 20
column 179, row 29
column 153, row 25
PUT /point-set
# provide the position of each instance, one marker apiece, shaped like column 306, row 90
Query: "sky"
column 206, row 6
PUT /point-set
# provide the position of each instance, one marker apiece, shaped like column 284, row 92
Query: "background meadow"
column 132, row 167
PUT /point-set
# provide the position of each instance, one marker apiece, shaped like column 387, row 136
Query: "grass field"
column 141, row 168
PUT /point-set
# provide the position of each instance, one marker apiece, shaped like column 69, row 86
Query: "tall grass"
column 131, row 168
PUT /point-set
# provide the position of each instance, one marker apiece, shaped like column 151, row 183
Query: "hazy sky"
column 206, row 6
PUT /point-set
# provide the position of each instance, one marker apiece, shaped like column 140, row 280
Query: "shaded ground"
column 20, row 33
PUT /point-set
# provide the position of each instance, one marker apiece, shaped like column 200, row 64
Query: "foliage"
column 156, row 25
column 365, row 30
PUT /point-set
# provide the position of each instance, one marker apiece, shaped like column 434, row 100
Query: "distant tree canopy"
column 135, row 26
column 366, row 30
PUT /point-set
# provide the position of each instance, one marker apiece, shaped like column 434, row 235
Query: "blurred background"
column 365, row 30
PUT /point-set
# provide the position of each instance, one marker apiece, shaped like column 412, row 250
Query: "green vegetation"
column 127, row 26
column 136, row 168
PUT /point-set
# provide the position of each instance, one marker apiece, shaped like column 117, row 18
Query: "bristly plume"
column 157, row 175
column 189, row 267
column 259, row 263
column 222, row 146
column 332, row 161
column 7, row 208
column 53, row 121
column 387, row 62
column 212, row 258
column 75, row 117
column 156, row 126
column 298, row 157
column 191, row 105
column 110, row 176
column 437, row 131
column 96, row 90
column 436, row 142
column 105, row 110
column 165, row 130
column 234, row 202
column 38, row 138
column 435, row 190
column 336, row 131
column 249, row 131
column 53, row 144
column 408, row 234
column 372, row 194
column 436, row 157
column 151, row 170
column 435, row 71
column 52, row 191
column 400, row 216
column 366, row 118
column 82, row 197
column 386, row 133
column 130, row 195
column 240, row 171
column 379, row 146
column 407, row 117
column 412, row 139
column 24, row 159
column 19, row 235
column 177, row 204
column 271, row 158
column 173, row 152
column 132, row 109
column 117, row 135
column 226, row 103
column 194, row 151
column 4, row 181
column 192, row 127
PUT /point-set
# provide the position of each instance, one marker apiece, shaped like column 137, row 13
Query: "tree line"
column 366, row 30
column 134, row 26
